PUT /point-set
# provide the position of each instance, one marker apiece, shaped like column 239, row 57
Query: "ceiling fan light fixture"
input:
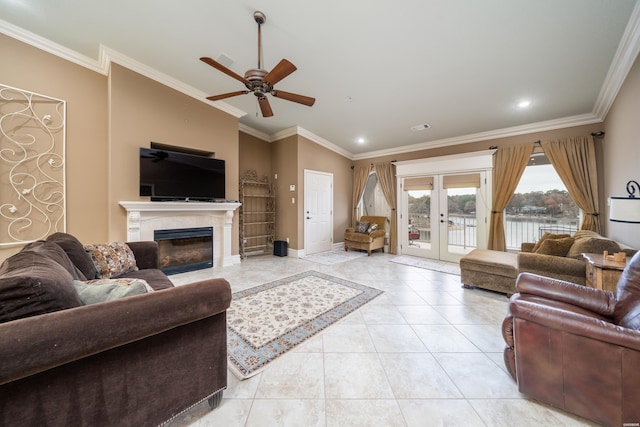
column 258, row 80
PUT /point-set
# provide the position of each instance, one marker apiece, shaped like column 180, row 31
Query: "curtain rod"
column 593, row 134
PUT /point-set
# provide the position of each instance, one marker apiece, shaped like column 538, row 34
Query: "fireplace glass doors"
column 184, row 249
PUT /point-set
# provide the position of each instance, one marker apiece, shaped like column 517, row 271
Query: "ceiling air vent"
column 418, row 128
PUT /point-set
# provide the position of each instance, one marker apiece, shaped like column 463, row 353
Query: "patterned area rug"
column 429, row 264
column 334, row 257
column 268, row 320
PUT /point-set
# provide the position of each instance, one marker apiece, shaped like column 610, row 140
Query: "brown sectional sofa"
column 139, row 360
column 497, row 271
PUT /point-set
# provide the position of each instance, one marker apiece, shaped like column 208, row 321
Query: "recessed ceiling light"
column 524, row 104
column 361, row 140
column 418, row 128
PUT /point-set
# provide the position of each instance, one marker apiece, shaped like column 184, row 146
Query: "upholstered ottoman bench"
column 487, row 269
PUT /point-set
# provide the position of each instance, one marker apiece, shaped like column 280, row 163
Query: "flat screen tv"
column 169, row 175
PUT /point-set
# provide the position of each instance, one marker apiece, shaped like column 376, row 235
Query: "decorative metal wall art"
column 32, row 166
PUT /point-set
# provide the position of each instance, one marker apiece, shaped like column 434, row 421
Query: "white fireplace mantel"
column 145, row 217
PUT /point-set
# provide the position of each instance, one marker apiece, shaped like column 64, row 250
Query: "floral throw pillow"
column 111, row 259
column 362, row 226
column 373, row 227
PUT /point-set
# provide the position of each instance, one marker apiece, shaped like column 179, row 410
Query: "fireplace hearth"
column 184, row 249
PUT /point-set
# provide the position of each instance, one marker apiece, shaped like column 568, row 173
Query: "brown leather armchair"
column 577, row 348
column 368, row 241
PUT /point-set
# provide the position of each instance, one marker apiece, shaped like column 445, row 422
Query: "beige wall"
column 284, row 161
column 108, row 119
column 85, row 92
column 142, row 111
column 622, row 151
column 317, row 158
column 255, row 154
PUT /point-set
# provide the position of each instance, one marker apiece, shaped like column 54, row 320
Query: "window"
column 373, row 201
column 541, row 203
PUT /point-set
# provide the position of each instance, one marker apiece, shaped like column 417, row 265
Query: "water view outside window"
column 541, row 203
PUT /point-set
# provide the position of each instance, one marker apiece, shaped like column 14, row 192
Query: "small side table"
column 603, row 273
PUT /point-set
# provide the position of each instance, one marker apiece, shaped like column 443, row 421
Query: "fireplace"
column 184, row 249
column 143, row 218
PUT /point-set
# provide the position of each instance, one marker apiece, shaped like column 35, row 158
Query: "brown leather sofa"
column 134, row 361
column 577, row 348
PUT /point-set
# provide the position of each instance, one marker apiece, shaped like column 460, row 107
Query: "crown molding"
column 566, row 122
column 623, row 60
column 254, row 132
column 297, row 130
column 48, row 46
column 324, row 143
column 105, row 57
column 108, row 55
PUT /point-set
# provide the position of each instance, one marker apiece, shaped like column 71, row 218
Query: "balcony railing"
column 518, row 229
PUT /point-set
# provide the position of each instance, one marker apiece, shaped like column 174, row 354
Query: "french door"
column 443, row 216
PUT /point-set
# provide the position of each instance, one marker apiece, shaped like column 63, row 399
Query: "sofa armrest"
column 36, row 344
column 535, row 263
column 350, row 230
column 527, row 246
column 575, row 323
column 146, row 253
column 378, row 233
column 597, row 301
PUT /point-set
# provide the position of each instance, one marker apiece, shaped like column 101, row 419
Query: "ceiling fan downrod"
column 260, row 18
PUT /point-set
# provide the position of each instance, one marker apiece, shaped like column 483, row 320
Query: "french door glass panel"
column 458, row 224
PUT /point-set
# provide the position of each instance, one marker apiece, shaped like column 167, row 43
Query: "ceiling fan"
column 258, row 80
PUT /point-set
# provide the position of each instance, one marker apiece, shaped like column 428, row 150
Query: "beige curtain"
column 386, row 172
column 575, row 161
column 360, row 177
column 508, row 166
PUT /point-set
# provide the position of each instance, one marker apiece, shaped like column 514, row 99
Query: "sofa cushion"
column 153, row 276
column 361, row 227
column 548, row 236
column 557, row 247
column 627, row 310
column 111, row 259
column 32, row 284
column 56, row 253
column 594, row 245
column 76, row 253
column 102, row 290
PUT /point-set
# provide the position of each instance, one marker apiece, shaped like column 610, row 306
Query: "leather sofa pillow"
column 32, row 284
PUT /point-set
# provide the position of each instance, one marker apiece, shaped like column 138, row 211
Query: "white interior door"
column 318, row 211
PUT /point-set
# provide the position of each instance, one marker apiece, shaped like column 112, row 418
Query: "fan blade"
column 279, row 72
column 227, row 95
column 300, row 99
column 218, row 66
column 265, row 107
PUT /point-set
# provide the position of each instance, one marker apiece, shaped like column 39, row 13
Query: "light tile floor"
column 425, row 353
